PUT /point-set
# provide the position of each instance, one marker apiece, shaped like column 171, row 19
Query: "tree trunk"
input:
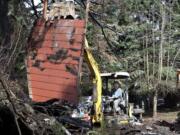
column 4, row 23
column 147, row 60
column 161, row 51
column 155, row 104
column 153, row 44
column 169, row 43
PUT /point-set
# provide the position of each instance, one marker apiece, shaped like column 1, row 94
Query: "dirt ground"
column 165, row 124
column 169, row 115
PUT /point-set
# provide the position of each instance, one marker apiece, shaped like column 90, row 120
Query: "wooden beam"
column 45, row 3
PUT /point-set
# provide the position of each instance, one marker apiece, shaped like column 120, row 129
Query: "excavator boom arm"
column 97, row 82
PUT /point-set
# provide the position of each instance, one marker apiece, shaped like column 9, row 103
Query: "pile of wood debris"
column 19, row 117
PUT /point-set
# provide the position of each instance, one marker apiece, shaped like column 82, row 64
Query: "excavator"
column 63, row 12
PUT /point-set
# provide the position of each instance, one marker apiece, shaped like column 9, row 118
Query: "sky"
column 36, row 2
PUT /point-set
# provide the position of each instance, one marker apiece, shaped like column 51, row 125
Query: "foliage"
column 15, row 25
column 134, row 38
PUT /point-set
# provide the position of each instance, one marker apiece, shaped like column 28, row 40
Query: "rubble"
column 62, row 111
column 39, row 118
column 30, row 124
column 24, row 117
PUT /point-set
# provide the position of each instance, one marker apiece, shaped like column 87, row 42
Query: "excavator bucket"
column 54, row 59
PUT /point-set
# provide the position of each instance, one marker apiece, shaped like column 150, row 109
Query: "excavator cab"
column 116, row 76
column 128, row 112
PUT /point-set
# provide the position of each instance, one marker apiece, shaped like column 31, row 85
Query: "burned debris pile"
column 54, row 107
column 41, row 118
column 23, row 117
column 62, row 111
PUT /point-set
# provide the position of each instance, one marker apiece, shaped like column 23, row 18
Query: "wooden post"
column 45, row 3
column 87, row 13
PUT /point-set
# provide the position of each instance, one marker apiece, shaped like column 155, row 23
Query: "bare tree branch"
column 8, row 93
column 34, row 8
